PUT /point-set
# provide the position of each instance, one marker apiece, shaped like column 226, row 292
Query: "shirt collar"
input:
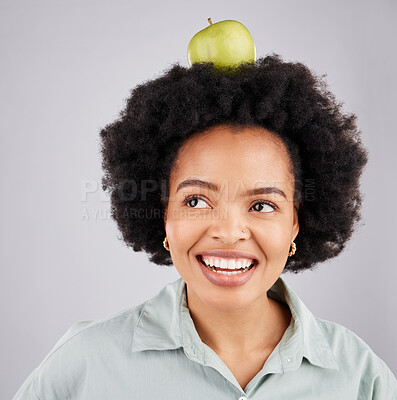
column 165, row 323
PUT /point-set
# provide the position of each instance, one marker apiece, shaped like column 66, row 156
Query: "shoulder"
column 119, row 325
column 356, row 358
column 85, row 345
column 115, row 329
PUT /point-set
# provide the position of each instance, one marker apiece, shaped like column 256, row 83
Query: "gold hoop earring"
column 292, row 252
column 165, row 244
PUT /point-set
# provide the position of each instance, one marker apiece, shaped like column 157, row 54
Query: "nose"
column 228, row 227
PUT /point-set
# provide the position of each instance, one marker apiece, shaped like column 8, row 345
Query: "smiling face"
column 235, row 163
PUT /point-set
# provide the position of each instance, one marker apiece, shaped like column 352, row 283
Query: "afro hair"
column 139, row 148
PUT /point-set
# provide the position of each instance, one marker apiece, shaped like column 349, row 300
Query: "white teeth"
column 224, row 263
column 229, row 272
column 246, row 263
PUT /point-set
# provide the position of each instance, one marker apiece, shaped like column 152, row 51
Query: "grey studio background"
column 66, row 69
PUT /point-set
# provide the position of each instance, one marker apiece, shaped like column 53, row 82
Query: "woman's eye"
column 261, row 205
column 194, row 200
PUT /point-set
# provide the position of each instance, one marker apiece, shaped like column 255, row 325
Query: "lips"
column 228, row 278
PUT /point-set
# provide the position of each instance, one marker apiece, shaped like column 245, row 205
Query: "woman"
column 233, row 177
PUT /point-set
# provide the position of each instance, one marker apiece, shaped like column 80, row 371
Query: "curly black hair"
column 286, row 98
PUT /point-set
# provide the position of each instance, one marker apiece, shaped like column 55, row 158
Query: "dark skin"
column 241, row 323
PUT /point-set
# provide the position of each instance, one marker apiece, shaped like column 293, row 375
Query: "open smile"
column 221, row 276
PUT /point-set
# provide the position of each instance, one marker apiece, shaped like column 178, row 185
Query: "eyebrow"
column 215, row 188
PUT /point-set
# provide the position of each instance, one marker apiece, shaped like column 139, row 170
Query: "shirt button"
column 242, row 398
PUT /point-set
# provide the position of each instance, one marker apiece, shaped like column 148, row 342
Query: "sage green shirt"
column 153, row 352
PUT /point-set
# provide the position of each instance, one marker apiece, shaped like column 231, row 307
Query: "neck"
column 240, row 332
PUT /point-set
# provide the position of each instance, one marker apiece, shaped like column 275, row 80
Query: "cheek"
column 273, row 238
column 182, row 231
column 183, row 234
column 175, row 230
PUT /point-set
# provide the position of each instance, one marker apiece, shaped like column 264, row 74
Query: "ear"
column 295, row 223
column 165, row 216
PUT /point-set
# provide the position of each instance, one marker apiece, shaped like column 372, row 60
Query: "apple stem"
column 209, row 20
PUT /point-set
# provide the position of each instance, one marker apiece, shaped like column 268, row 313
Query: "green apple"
column 225, row 43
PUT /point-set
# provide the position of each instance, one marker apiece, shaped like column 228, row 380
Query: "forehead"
column 247, row 156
